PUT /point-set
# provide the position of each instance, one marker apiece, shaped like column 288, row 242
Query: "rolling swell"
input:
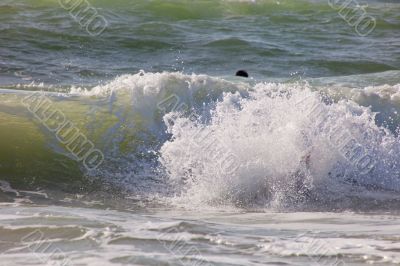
column 42, row 42
column 151, row 147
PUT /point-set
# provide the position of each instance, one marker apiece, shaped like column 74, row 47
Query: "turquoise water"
column 126, row 139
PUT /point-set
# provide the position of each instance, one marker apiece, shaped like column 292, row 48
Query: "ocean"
column 127, row 139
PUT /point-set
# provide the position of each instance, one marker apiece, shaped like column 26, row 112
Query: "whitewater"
column 177, row 143
column 137, row 145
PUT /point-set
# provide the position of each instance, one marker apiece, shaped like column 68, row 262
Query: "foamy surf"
column 125, row 139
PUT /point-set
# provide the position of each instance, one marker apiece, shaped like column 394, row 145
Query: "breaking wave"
column 199, row 140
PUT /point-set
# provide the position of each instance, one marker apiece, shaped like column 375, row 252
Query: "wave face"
column 205, row 140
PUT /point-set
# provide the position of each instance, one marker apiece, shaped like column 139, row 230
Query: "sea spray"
column 232, row 142
column 279, row 146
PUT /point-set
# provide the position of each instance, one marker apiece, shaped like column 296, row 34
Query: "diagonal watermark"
column 355, row 15
column 86, row 15
column 69, row 136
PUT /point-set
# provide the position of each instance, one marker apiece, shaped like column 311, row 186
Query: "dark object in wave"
column 242, row 73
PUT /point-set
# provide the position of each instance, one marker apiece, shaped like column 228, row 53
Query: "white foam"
column 275, row 146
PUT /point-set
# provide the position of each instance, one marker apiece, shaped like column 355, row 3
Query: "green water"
column 42, row 42
column 232, row 171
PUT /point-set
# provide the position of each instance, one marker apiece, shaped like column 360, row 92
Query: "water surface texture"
column 126, row 139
